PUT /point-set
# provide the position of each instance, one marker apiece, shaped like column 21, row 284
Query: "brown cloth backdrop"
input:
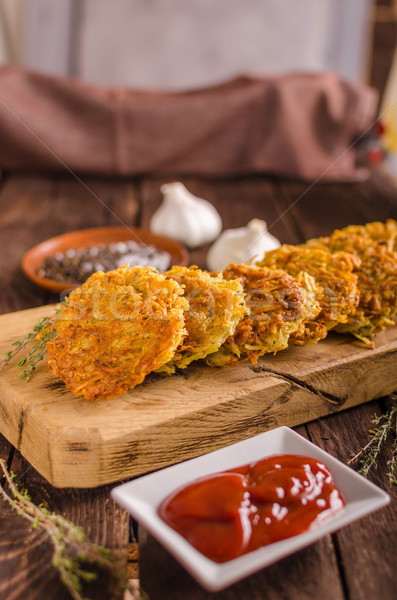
column 299, row 125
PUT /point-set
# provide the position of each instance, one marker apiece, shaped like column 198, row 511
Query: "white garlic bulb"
column 185, row 218
column 241, row 245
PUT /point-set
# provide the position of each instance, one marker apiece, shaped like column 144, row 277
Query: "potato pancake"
column 215, row 307
column 115, row 329
column 383, row 233
column 278, row 305
column 376, row 276
column 338, row 296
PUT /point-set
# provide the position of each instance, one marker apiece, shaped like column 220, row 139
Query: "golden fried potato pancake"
column 215, row 307
column 115, row 329
column 383, row 233
column 376, row 277
column 278, row 305
column 338, row 296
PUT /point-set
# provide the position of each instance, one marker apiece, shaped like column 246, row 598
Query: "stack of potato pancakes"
column 121, row 325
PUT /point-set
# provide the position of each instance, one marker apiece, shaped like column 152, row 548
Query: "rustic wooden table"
column 358, row 562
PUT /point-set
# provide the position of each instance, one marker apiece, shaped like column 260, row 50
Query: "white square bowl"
column 142, row 497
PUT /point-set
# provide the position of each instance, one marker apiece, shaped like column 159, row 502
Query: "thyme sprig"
column 70, row 545
column 385, row 428
column 42, row 332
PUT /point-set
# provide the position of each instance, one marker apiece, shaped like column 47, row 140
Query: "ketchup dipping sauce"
column 240, row 510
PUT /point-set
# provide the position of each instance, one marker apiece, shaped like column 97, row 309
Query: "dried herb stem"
column 70, row 545
column 385, row 428
column 42, row 332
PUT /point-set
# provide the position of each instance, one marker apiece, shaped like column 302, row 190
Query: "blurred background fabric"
column 300, row 125
column 122, row 47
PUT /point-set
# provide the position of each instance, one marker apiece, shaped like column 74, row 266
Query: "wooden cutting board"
column 168, row 419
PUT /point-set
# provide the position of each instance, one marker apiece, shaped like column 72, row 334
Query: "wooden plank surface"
column 318, row 209
column 366, row 549
column 52, row 206
column 311, row 573
column 33, row 208
column 26, row 553
column 356, row 564
column 171, row 418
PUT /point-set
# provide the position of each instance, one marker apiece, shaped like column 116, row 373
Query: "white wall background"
column 189, row 43
column 175, row 43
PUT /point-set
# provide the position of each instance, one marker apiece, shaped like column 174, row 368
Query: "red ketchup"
column 234, row 512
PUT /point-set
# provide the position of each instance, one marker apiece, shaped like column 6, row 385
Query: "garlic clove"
column 185, row 217
column 241, row 245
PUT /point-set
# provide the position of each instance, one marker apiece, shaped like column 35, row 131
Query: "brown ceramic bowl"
column 87, row 238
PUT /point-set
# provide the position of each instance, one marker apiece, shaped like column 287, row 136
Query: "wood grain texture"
column 372, row 540
column 310, row 573
column 26, row 553
column 168, row 419
column 95, row 202
column 356, row 564
column 35, row 208
column 317, row 209
column 27, row 195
